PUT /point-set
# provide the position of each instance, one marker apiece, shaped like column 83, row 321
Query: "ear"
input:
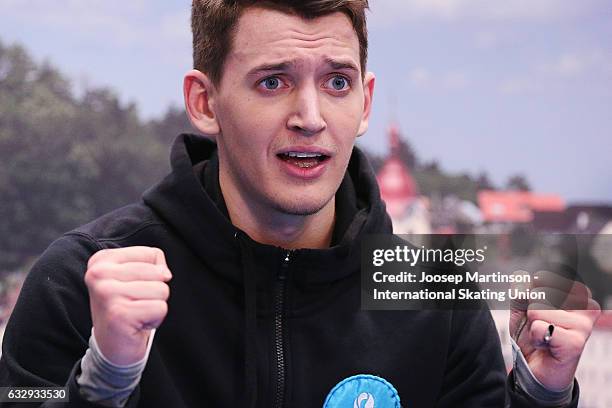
column 368, row 93
column 199, row 93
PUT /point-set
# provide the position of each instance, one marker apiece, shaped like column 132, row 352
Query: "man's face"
column 290, row 104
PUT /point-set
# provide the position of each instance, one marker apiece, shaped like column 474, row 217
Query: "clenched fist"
column 572, row 311
column 128, row 294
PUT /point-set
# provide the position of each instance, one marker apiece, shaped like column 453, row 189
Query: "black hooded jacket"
column 251, row 325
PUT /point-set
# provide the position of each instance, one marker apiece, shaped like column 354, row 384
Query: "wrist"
column 526, row 381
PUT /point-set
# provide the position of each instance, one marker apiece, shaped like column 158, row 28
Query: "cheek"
column 347, row 111
column 343, row 121
column 245, row 127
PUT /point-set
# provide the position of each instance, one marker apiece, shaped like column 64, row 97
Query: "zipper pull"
column 285, row 265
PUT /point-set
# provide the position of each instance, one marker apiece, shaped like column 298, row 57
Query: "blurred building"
column 407, row 209
column 511, row 214
column 503, row 209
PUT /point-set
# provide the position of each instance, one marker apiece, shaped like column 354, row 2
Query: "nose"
column 306, row 117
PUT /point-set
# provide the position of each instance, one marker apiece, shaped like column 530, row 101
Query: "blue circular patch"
column 363, row 391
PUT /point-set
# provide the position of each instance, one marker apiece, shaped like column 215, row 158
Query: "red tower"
column 397, row 187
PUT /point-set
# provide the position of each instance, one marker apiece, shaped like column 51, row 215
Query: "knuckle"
column 533, row 314
column 162, row 308
column 103, row 289
column 160, row 270
column 157, row 291
column 585, row 325
column 95, row 272
column 89, row 279
column 578, row 287
column 157, row 253
column 97, row 256
column 596, row 308
column 92, row 260
column 165, row 291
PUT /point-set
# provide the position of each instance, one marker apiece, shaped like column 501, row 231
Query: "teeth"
column 302, row 155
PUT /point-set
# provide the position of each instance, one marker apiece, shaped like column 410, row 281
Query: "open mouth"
column 303, row 160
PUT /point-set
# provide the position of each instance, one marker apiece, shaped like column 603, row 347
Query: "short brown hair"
column 213, row 23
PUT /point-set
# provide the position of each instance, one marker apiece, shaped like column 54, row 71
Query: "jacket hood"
column 191, row 202
column 183, row 199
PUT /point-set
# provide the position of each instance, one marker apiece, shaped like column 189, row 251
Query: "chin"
column 301, row 207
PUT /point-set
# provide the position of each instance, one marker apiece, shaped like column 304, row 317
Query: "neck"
column 272, row 227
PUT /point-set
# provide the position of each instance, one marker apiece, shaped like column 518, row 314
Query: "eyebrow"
column 281, row 66
column 335, row 64
column 285, row 65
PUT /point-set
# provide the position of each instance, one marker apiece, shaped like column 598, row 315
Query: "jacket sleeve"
column 48, row 331
column 475, row 374
column 516, row 398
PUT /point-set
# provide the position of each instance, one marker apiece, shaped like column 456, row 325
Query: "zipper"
column 279, row 316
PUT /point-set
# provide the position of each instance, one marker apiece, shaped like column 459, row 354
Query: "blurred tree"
column 430, row 178
column 375, row 160
column 483, row 182
column 406, row 153
column 433, row 182
column 173, row 123
column 431, row 166
column 66, row 160
column 518, row 182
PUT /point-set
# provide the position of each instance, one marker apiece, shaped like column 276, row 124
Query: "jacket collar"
column 190, row 200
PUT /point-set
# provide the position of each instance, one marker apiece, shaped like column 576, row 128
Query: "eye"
column 271, row 83
column 338, row 83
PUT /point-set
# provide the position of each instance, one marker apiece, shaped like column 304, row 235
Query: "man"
column 245, row 259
